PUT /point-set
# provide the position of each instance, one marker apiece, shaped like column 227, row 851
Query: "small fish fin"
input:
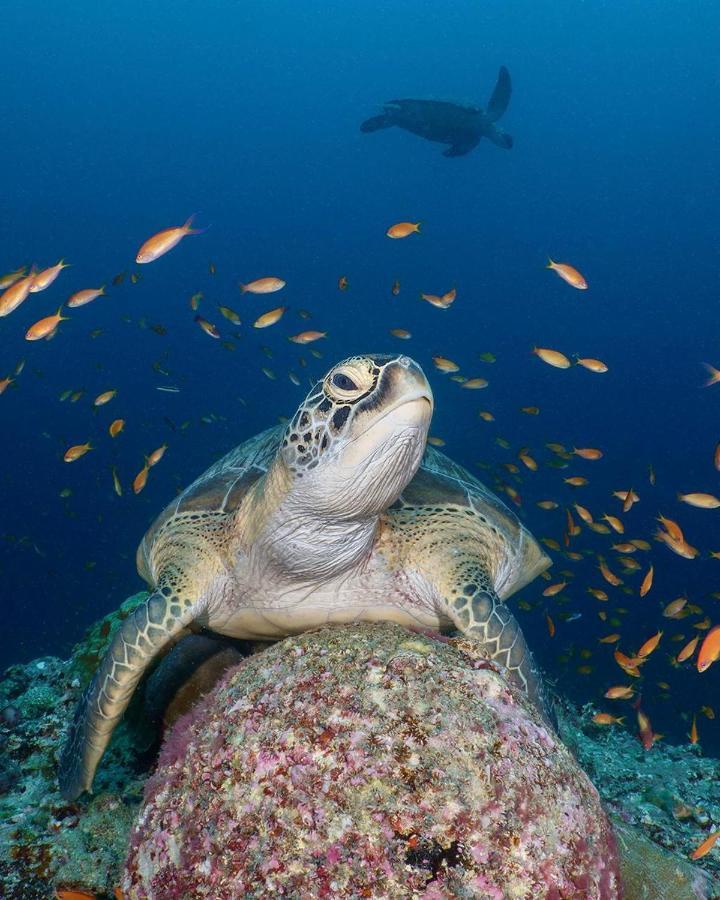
column 417, row 227
column 187, row 227
column 550, row 263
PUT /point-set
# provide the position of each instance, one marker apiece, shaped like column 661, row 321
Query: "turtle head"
column 359, row 436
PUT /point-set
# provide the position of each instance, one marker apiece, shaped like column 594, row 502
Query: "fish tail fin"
column 417, row 227
column 550, row 263
column 243, row 289
column 714, row 375
column 188, row 229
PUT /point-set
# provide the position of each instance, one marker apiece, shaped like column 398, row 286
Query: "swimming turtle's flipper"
column 500, row 96
column 377, row 122
column 462, row 147
column 144, row 633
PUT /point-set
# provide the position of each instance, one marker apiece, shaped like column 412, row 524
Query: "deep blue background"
column 121, row 120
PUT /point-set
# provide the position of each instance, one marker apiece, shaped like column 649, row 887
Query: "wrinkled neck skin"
column 290, row 534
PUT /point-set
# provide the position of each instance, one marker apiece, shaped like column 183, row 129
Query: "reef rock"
column 368, row 761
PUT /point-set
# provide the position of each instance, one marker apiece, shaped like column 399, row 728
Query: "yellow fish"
column 270, row 317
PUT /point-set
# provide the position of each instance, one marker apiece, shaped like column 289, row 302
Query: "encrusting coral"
column 368, row 761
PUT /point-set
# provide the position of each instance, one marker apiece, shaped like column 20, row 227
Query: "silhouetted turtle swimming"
column 462, row 127
column 342, row 516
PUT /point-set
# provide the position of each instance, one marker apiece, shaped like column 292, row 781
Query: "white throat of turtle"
column 284, row 537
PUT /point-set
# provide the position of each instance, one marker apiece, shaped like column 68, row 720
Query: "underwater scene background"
column 119, row 121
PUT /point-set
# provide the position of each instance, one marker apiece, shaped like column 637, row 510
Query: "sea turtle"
column 461, row 127
column 341, row 516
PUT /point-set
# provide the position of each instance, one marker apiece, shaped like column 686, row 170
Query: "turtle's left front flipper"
column 144, row 633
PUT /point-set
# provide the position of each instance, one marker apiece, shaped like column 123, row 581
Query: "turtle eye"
column 343, row 382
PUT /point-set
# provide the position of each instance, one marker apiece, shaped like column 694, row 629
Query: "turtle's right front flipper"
column 147, row 630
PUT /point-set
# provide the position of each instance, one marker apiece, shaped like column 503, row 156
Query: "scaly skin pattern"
column 151, row 626
column 460, row 555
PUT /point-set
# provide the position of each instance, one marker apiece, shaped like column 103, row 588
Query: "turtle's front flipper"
column 478, row 612
column 150, row 627
column 384, row 120
column 500, row 96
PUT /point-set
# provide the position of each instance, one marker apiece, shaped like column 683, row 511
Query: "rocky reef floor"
column 670, row 794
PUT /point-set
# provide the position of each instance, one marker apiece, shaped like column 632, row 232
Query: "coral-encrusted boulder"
column 368, row 761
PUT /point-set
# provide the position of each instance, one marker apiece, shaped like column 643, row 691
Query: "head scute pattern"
column 327, row 411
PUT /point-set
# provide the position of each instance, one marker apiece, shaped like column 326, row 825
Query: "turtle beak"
column 417, row 384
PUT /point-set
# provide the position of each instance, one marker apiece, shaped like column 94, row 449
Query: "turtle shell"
column 441, row 482
column 220, row 489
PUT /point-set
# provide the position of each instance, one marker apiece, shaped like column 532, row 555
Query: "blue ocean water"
column 122, row 120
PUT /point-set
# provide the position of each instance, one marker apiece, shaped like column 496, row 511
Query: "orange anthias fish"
column 706, row 845
column 267, row 285
column 445, row 365
column 620, row 692
column 675, row 608
column 587, row 452
column 592, row 365
column 116, row 427
column 439, row 302
column 44, row 327
column 694, row 737
column 552, row 357
column 16, row 294
column 709, row 650
column 343, row 283
column 270, row 317
column 156, row 455
column 307, row 337
column 9, row 278
column 82, row 298
column 104, row 398
column 645, row 731
column 700, row 501
column 45, row 278
column 650, row 645
column 602, row 718
column 160, row 243
column 568, row 274
column 140, row 479
column 76, row 451
column 647, row 582
column 688, row 650
column 403, row 229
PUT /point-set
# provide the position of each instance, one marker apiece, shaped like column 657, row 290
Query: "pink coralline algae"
column 368, row 761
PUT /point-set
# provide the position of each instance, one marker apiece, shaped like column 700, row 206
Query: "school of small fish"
column 631, row 566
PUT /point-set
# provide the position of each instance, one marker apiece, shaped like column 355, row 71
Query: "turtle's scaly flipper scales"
column 150, row 627
column 479, row 613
